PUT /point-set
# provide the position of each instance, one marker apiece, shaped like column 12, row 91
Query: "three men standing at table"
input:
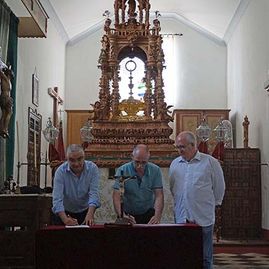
column 197, row 185
column 196, row 182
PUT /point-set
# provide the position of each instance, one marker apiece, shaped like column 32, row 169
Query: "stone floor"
column 243, row 254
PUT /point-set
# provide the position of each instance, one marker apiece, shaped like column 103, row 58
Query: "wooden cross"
column 57, row 100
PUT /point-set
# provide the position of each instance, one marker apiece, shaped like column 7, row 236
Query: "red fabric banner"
column 203, row 147
column 53, row 153
column 60, row 144
column 219, row 151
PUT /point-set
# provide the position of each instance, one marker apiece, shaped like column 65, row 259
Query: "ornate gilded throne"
column 117, row 126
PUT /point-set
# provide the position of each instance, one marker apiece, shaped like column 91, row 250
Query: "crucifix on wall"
column 57, row 100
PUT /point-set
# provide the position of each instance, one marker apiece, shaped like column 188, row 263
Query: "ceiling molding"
column 166, row 15
column 240, row 11
column 55, row 19
column 96, row 27
column 194, row 26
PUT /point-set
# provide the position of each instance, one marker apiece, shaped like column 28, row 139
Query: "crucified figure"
column 6, row 101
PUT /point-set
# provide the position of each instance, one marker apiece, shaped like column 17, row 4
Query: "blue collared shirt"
column 197, row 187
column 75, row 194
column 139, row 194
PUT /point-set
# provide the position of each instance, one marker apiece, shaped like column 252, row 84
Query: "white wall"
column 82, row 74
column 47, row 55
column 200, row 76
column 248, row 69
column 200, row 81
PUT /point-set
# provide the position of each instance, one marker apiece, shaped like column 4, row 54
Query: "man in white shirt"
column 197, row 185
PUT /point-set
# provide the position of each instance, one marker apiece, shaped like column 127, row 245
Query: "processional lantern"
column 50, row 132
column 220, row 131
column 117, row 126
column 86, row 132
column 203, row 131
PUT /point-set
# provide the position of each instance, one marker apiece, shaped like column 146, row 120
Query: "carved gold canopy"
column 115, row 134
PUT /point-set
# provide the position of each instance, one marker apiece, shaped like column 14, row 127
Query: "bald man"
column 143, row 194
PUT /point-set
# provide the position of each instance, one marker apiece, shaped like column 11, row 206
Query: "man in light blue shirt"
column 143, row 192
column 76, row 189
column 197, row 185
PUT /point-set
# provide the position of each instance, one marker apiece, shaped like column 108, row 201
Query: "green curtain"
column 12, row 54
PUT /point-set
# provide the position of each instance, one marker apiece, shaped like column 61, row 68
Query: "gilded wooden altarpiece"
column 115, row 133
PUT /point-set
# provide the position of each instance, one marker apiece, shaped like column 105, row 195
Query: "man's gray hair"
column 74, row 148
column 190, row 137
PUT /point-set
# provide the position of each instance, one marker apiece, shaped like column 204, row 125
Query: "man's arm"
column 158, row 206
column 94, row 198
column 218, row 182
column 89, row 219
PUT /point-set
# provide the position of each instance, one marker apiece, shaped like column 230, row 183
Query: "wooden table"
column 137, row 247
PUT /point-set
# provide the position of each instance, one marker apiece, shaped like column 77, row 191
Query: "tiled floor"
column 241, row 261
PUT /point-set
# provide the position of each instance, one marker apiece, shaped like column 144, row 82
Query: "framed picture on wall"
column 35, row 90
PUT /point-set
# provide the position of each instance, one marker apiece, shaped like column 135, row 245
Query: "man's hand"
column 89, row 219
column 70, row 221
column 130, row 218
column 155, row 220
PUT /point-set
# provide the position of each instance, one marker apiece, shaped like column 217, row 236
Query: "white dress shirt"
column 197, row 187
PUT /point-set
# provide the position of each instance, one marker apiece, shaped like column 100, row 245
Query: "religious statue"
column 96, row 110
column 163, row 111
column 131, row 10
column 6, row 101
column 104, row 50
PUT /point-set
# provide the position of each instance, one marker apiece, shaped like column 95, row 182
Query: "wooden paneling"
column 241, row 208
column 190, row 119
column 34, row 147
column 75, row 120
column 20, row 217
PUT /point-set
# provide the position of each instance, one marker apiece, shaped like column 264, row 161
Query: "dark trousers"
column 144, row 218
column 80, row 216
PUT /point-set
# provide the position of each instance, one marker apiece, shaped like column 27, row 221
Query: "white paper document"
column 77, row 226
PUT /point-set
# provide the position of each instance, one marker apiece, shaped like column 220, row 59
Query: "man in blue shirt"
column 76, row 189
column 197, row 185
column 143, row 191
